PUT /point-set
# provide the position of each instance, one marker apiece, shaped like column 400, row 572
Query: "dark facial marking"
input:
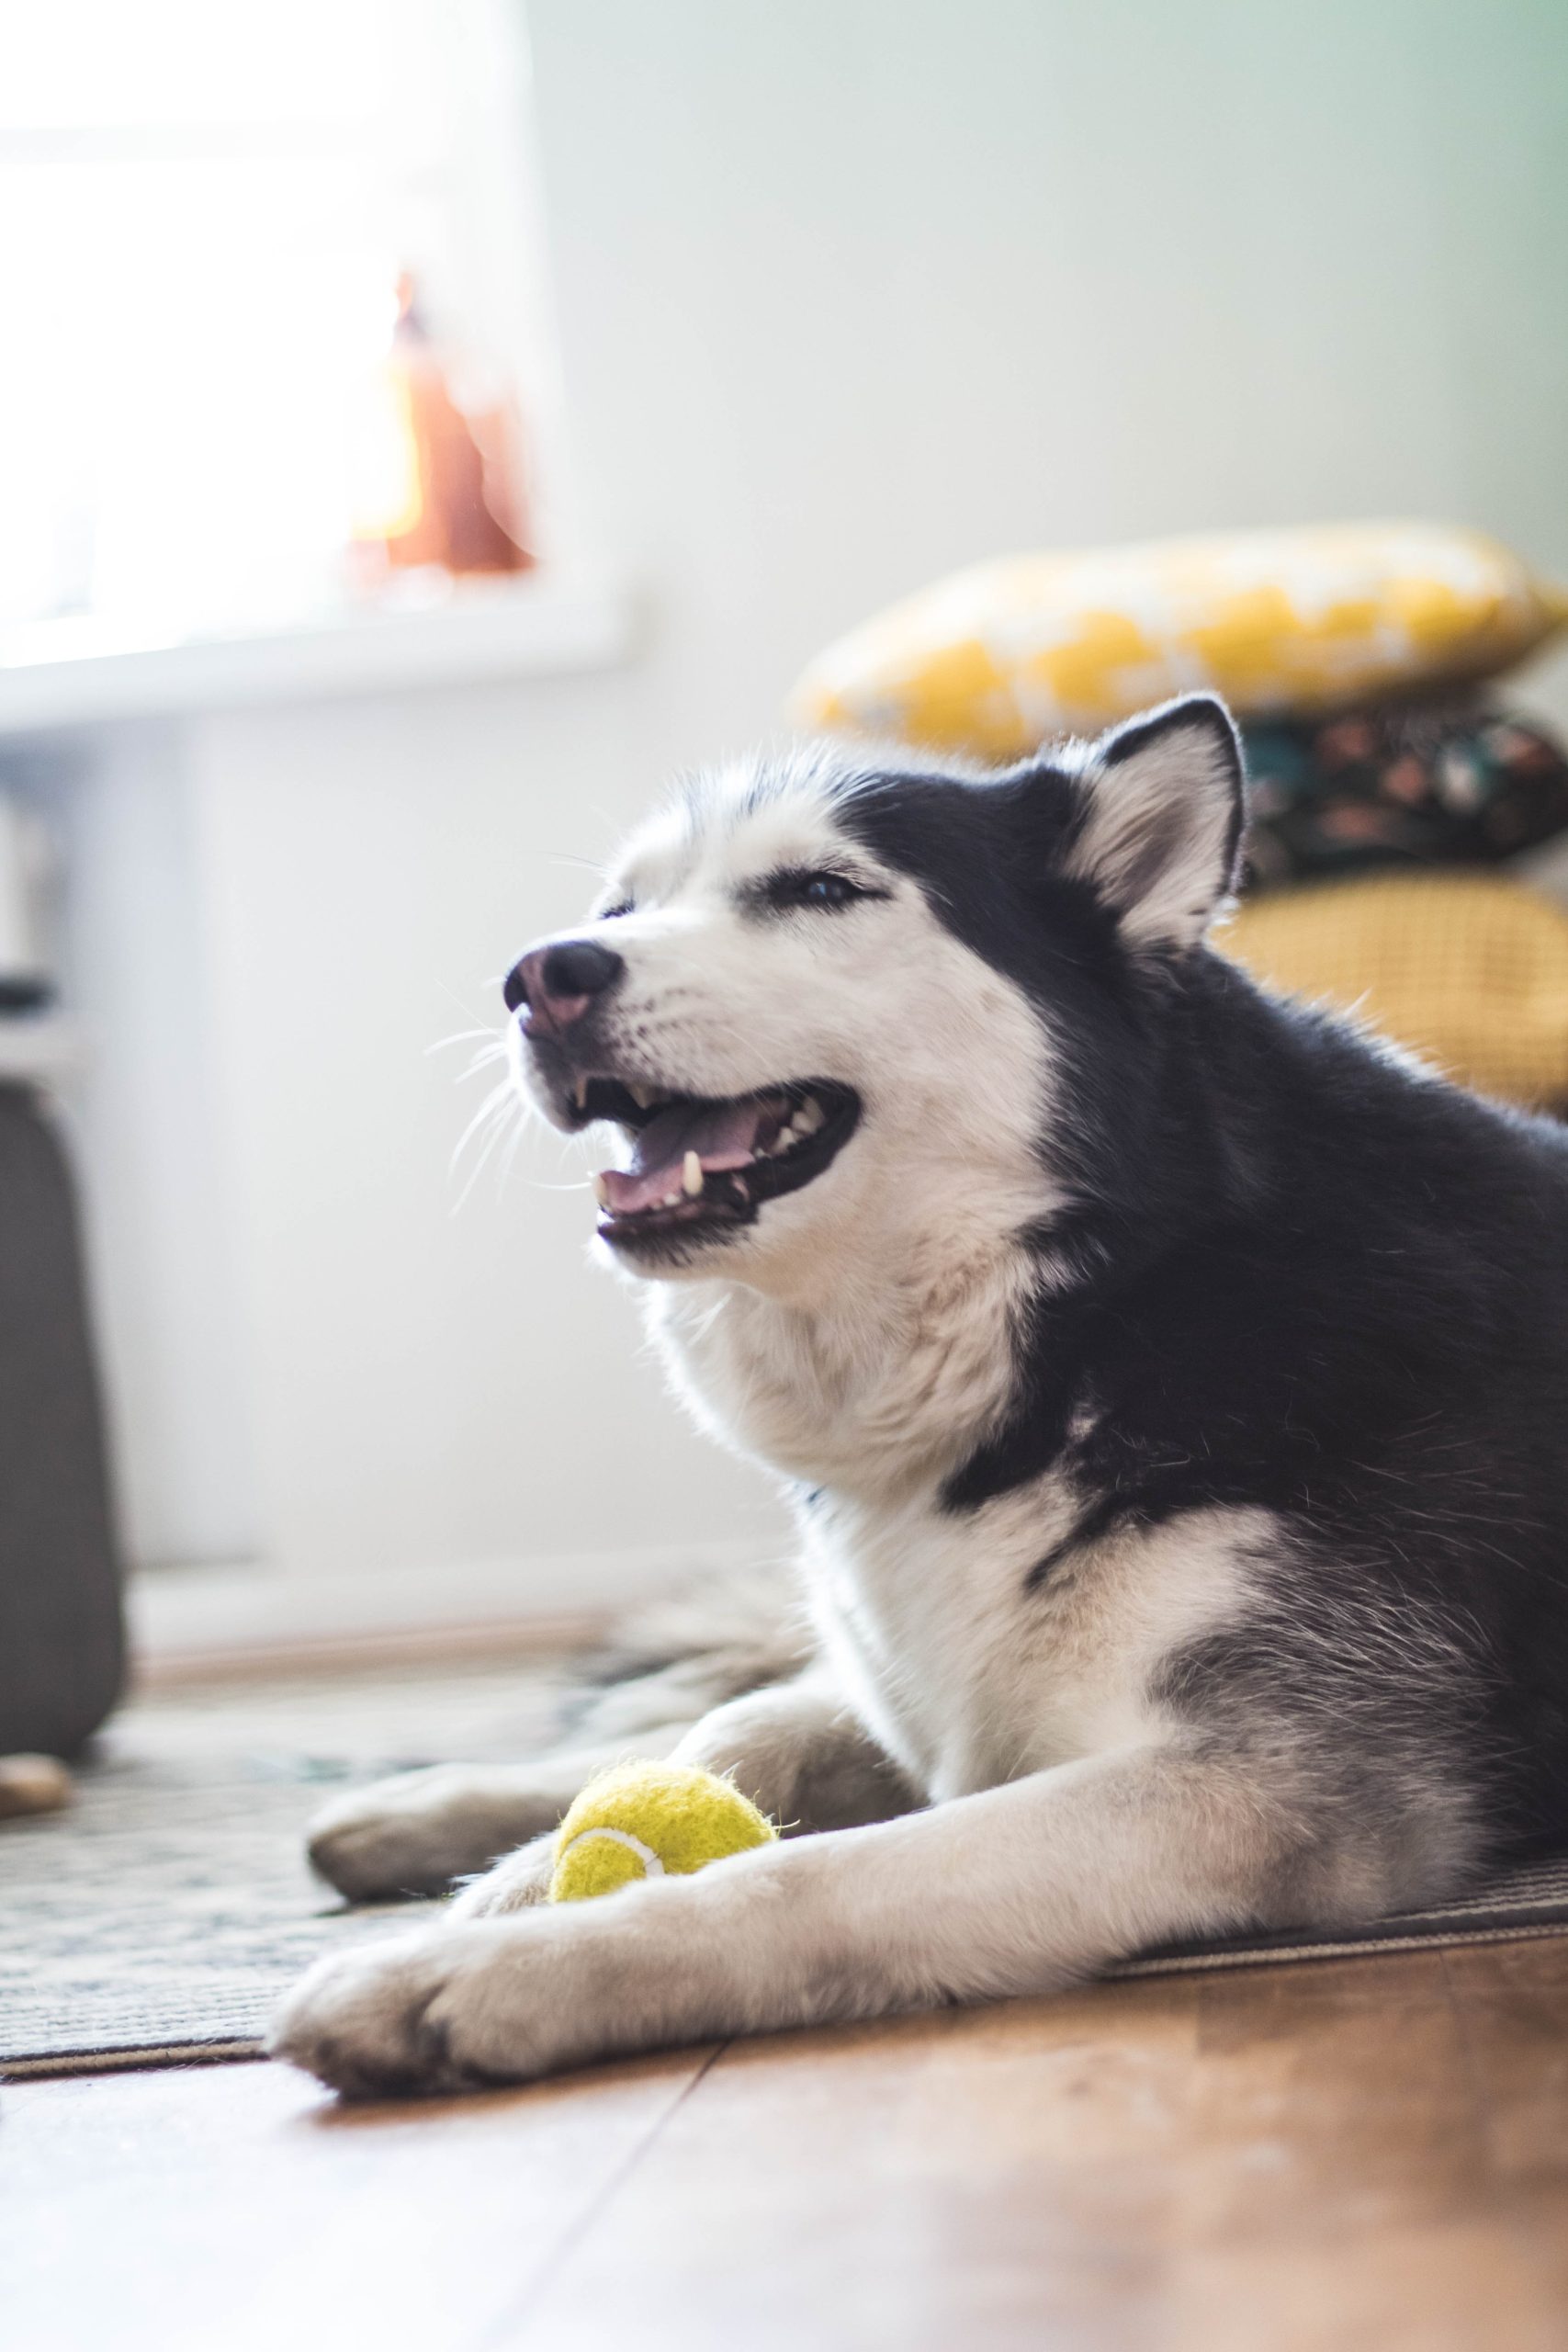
column 984, row 856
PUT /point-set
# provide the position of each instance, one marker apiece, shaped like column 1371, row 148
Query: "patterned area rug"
column 1530, row 1901
column 158, row 1921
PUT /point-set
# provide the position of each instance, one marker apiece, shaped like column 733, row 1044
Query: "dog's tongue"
column 723, row 1135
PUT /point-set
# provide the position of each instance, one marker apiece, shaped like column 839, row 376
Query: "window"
column 209, row 210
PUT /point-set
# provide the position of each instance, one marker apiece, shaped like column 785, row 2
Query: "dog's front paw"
column 409, row 2019
column 417, row 1833
column 361, row 2020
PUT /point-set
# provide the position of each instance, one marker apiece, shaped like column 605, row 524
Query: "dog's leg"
column 1015, row 1890
column 416, row 1833
column 795, row 1750
column 801, row 1754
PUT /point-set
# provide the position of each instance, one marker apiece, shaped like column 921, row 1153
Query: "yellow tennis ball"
column 644, row 1820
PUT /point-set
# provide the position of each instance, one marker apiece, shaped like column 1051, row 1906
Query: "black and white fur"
column 1173, row 1385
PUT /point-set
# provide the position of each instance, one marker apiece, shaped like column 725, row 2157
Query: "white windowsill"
column 550, row 623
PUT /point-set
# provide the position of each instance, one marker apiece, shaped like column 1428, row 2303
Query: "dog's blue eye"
column 793, row 887
column 824, row 889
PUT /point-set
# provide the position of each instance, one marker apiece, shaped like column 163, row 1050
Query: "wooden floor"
column 1339, row 2154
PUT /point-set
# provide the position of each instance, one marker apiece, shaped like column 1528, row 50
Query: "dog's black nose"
column 556, row 985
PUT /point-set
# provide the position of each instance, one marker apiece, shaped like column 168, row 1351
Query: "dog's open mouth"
column 700, row 1163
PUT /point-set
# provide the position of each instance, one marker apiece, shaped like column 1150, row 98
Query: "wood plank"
column 239, row 2208
column 992, row 2178
column 1468, row 2286
column 1311, row 2158
column 1339, row 2098
column 1512, row 2001
column 1318, row 2158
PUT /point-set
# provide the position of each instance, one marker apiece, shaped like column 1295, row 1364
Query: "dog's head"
column 830, row 998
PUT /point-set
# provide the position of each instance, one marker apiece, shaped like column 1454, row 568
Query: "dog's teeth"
column 579, row 1094
column 691, row 1175
column 641, row 1095
column 602, row 1191
column 809, row 1117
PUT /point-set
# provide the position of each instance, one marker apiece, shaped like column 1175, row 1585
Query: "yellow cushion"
column 998, row 657
column 1469, row 970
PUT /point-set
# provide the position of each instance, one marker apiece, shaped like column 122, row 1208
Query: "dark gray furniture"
column 61, row 1635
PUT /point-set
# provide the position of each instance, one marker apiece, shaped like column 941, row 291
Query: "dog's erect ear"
column 1161, row 820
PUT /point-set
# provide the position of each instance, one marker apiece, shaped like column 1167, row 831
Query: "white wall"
column 162, row 1218
column 434, row 1381
column 850, row 292
column 855, row 290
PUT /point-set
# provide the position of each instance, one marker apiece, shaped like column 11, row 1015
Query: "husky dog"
column 1172, row 1384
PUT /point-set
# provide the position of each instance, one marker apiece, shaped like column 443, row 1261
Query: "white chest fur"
column 969, row 1677
column 963, row 1673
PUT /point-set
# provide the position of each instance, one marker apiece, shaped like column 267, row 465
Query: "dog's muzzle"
column 551, row 986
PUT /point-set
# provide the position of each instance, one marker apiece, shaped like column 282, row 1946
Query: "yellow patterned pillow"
column 1002, row 655
column 1468, row 969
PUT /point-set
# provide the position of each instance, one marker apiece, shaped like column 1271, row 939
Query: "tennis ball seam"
column 646, row 1855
